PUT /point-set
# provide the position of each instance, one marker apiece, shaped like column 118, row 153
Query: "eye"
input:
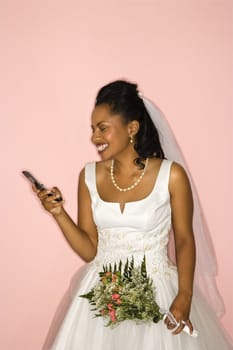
column 102, row 128
column 99, row 127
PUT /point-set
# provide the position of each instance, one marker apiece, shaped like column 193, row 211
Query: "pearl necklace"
column 129, row 187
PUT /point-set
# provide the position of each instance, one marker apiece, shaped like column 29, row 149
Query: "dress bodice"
column 142, row 228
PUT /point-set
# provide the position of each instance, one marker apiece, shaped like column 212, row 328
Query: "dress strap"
column 90, row 178
column 164, row 174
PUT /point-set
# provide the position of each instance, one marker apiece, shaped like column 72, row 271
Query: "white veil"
column 206, row 264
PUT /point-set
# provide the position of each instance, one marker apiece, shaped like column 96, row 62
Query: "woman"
column 127, row 204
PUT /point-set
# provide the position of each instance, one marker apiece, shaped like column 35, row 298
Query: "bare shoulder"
column 81, row 177
column 177, row 171
column 178, row 177
column 82, row 172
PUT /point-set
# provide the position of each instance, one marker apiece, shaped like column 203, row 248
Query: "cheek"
column 111, row 135
column 122, row 135
column 120, row 132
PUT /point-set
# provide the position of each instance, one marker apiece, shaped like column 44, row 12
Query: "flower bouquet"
column 124, row 293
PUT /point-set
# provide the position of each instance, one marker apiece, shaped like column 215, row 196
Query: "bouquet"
column 124, row 293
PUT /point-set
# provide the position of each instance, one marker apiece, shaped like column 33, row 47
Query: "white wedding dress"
column 142, row 228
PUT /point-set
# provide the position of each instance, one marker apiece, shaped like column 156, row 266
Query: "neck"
column 133, row 185
column 126, row 164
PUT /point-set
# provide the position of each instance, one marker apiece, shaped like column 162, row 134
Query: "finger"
column 35, row 189
column 50, row 198
column 58, row 195
column 57, row 204
column 49, row 195
column 179, row 328
column 170, row 325
column 45, row 193
column 53, row 197
column 190, row 326
column 57, row 200
column 51, row 206
column 56, row 190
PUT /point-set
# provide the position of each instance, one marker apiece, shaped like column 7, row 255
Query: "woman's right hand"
column 48, row 199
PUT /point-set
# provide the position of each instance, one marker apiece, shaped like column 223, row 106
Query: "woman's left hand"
column 180, row 308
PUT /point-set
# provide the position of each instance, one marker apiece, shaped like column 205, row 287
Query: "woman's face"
column 110, row 134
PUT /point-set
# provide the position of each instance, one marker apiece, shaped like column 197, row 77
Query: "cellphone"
column 186, row 329
column 33, row 180
column 38, row 185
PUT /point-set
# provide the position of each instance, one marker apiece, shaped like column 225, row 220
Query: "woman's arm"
column 82, row 237
column 182, row 215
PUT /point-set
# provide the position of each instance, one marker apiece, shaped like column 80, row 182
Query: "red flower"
column 115, row 296
column 112, row 315
column 110, row 306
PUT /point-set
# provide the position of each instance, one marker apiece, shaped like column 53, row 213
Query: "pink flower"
column 115, row 296
column 112, row 315
column 118, row 301
column 108, row 274
column 110, row 306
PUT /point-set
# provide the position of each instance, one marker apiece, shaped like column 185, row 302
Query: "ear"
column 133, row 127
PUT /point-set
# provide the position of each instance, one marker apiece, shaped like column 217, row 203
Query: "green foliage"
column 124, row 293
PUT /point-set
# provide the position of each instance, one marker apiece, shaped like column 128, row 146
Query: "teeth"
column 102, row 147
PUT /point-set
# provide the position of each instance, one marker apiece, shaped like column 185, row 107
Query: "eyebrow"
column 98, row 124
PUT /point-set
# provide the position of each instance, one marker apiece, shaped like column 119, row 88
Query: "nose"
column 95, row 137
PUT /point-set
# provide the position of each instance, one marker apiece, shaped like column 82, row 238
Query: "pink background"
column 55, row 56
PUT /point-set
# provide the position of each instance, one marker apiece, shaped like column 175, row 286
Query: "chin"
column 104, row 156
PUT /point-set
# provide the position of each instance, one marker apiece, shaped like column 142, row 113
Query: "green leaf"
column 143, row 267
column 115, row 268
column 126, row 268
column 131, row 266
column 120, row 266
column 89, row 295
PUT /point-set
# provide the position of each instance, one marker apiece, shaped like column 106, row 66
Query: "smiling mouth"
column 102, row 147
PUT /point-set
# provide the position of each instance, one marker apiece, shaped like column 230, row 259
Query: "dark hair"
column 123, row 98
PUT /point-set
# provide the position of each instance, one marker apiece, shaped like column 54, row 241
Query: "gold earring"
column 131, row 139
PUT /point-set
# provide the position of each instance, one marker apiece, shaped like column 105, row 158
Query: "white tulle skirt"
column 75, row 327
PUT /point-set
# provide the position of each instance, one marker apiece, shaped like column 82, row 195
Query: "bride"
column 139, row 200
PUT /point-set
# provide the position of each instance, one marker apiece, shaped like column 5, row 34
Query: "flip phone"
column 38, row 185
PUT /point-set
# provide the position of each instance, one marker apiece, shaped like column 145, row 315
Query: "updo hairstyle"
column 124, row 98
